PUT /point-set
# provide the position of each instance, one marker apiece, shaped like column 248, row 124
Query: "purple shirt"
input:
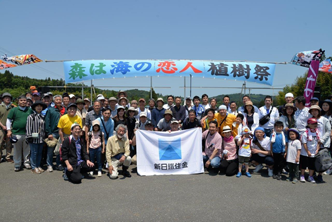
column 214, row 139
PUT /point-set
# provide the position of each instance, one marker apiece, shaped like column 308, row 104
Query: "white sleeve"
column 256, row 122
column 9, row 124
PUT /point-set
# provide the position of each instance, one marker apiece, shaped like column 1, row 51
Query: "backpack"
column 323, row 161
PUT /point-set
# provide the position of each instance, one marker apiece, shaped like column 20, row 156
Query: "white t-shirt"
column 265, row 143
column 245, row 150
column 207, row 106
column 293, row 147
column 312, row 145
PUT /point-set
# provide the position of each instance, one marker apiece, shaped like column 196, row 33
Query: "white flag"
column 162, row 153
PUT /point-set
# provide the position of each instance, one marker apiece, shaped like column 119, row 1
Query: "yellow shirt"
column 115, row 146
column 228, row 122
column 206, row 123
column 65, row 123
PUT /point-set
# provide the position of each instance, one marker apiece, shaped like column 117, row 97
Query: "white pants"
column 21, row 147
column 116, row 163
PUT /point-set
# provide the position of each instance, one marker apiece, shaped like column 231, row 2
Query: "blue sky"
column 216, row 30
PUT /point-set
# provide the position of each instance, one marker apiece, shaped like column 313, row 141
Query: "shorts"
column 307, row 162
column 268, row 160
column 244, row 160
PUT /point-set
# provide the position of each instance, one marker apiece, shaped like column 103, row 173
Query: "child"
column 309, row 149
column 237, row 126
column 96, row 145
column 292, row 154
column 278, row 144
column 229, row 161
column 244, row 151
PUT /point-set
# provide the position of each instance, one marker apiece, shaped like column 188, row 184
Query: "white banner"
column 164, row 153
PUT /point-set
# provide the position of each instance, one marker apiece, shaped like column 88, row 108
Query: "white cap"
column 71, row 96
column 222, row 107
column 289, row 95
column 101, row 97
column 142, row 114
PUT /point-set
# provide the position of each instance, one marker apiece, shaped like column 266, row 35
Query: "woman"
column 327, row 109
column 131, row 121
column 120, row 117
column 191, row 121
column 81, row 112
column 287, row 117
column 35, row 133
column 229, row 161
column 210, row 117
column 251, row 119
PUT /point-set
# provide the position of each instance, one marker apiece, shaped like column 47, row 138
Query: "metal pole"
column 184, row 90
column 150, row 87
column 91, row 90
column 191, row 78
column 82, row 90
column 245, row 87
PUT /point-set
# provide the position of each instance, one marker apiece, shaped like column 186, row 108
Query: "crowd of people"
column 85, row 138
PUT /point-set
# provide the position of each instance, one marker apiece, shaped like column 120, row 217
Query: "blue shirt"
column 157, row 115
column 199, row 111
column 277, row 146
column 109, row 127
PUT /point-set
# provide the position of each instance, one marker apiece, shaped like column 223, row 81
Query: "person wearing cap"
column 293, row 151
column 113, row 107
column 268, row 110
column 87, row 103
column 142, row 108
column 179, row 111
column 118, row 152
column 191, row 121
column 142, row 121
column 251, row 118
column 134, row 103
column 81, row 112
column 212, row 147
column 301, row 114
column 52, row 117
column 198, row 108
column 16, row 126
column 152, row 104
column 314, row 101
column 29, row 101
column 205, row 101
column 246, row 98
column 5, row 107
column 75, row 156
column 131, row 124
column 32, row 89
column 175, row 125
column 92, row 115
column 65, row 100
column 158, row 113
column 244, row 153
column 260, row 149
column 289, row 98
column 72, row 98
column 101, row 98
column 165, row 123
column 51, row 99
column 123, row 101
column 324, row 127
column 288, row 116
column 35, row 133
column 188, row 106
column 47, row 101
column 229, row 162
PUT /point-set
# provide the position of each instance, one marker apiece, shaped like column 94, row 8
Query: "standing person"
column 229, row 161
column 52, row 104
column 278, row 146
column 91, row 116
column 67, row 120
column 5, row 108
column 327, row 109
column 134, row 103
column 47, row 100
column 188, row 106
column 237, row 126
column 96, row 145
column 251, row 118
column 233, row 108
column 226, row 102
column 75, row 157
column 35, row 133
column 131, row 123
column 179, row 111
column 213, row 106
column 301, row 115
column 288, row 117
column 52, row 131
column 205, row 101
column 122, row 93
column 35, row 96
column 268, row 115
column 292, row 154
column 158, row 113
column 142, row 108
column 118, row 152
column 112, row 105
column 65, row 100
column 16, row 126
column 244, row 144
column 314, row 101
column 245, row 99
column 87, row 103
column 198, row 108
column 152, row 104
column 170, row 102
column 123, row 101
column 120, row 117
column 289, row 98
column 72, row 98
column 142, row 121
column 191, row 121
column 81, row 112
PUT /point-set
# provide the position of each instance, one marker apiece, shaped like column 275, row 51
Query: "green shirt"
column 19, row 118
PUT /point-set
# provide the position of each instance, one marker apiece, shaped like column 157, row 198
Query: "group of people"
column 86, row 137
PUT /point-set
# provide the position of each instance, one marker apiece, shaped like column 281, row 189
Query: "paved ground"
column 47, row 197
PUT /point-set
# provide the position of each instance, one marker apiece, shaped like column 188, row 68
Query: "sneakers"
column 239, row 174
column 99, row 173
column 17, row 169
column 65, row 177
column 289, row 179
column 36, row 171
column 294, row 181
column 274, row 176
column 26, row 165
column 311, row 179
column 91, row 173
column 319, row 179
column 284, row 171
column 328, row 172
column 49, row 168
column 278, row 177
column 41, row 170
column 248, row 174
column 302, row 179
column 60, row 168
column 269, row 172
column 258, row 168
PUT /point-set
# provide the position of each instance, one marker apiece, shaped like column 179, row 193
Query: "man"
column 213, row 106
column 81, row 112
column 179, row 111
column 152, row 104
column 142, row 121
column 198, row 108
column 113, row 107
column 16, row 127
column 301, row 114
column 314, row 101
column 5, row 108
column 246, row 98
column 87, row 103
column 233, row 108
column 118, row 152
column 170, row 102
column 47, row 101
column 158, row 113
column 149, row 127
column 101, row 98
column 75, row 156
column 226, row 101
column 106, row 123
column 142, row 108
column 191, row 121
column 268, row 111
column 205, row 101
column 91, row 116
column 52, row 117
column 51, row 98
column 212, row 151
column 65, row 100
column 175, row 125
column 35, row 96
column 72, row 98
column 188, row 106
column 289, row 98
column 134, row 103
column 165, row 123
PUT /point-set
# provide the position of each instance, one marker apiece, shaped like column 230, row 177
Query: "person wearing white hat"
column 229, row 161
column 174, row 125
column 72, row 98
column 142, row 121
column 289, row 98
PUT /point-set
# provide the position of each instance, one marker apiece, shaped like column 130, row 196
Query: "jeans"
column 215, row 162
column 36, row 150
column 96, row 153
column 50, row 152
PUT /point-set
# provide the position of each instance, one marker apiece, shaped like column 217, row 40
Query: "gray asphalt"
column 47, row 197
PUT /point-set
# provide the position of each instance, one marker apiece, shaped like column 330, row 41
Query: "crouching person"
column 118, row 152
column 74, row 155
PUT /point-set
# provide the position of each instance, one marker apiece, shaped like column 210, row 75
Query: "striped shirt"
column 35, row 124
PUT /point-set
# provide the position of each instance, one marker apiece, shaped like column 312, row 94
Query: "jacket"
column 51, row 120
column 68, row 151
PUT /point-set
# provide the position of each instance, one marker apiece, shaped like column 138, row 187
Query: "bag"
column 259, row 145
column 266, row 118
column 323, row 161
column 203, row 142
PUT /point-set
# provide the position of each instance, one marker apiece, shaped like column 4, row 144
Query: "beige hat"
column 112, row 99
column 160, row 99
column 174, row 121
column 95, row 122
column 168, row 112
column 314, row 107
column 132, row 109
column 142, row 114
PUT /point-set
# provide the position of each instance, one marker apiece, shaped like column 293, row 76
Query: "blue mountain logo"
column 170, row 149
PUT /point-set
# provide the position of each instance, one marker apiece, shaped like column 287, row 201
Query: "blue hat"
column 259, row 128
column 314, row 98
column 295, row 131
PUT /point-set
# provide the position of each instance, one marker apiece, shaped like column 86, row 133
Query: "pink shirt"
column 214, row 139
column 231, row 148
column 95, row 140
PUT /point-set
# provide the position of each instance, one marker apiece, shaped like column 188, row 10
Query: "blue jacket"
column 109, row 127
column 157, row 115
